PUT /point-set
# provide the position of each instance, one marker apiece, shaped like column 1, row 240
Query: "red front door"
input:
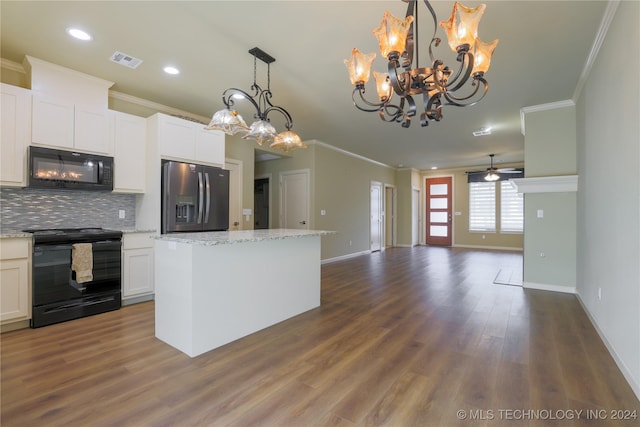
column 438, row 217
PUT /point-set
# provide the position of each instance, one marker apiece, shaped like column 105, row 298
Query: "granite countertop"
column 138, row 230
column 241, row 236
column 13, row 234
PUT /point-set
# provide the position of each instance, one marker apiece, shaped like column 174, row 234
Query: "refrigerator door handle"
column 208, row 189
column 201, row 197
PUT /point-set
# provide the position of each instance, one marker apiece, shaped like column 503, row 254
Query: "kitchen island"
column 212, row 288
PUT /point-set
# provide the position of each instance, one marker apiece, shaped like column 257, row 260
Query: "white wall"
column 550, row 241
column 608, row 146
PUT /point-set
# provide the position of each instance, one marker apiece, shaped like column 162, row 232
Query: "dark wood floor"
column 406, row 337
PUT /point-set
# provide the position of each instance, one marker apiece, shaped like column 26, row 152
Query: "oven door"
column 54, row 281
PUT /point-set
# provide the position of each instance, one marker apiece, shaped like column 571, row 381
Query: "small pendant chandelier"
column 262, row 131
column 438, row 85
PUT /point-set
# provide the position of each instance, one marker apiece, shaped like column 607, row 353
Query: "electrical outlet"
column 350, row 243
column 121, row 214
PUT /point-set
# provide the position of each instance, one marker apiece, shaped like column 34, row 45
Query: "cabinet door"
column 16, row 134
column 14, row 289
column 137, row 272
column 91, row 131
column 129, row 134
column 52, row 122
column 177, row 138
column 209, row 146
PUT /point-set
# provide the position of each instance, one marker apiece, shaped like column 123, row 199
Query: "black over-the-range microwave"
column 51, row 168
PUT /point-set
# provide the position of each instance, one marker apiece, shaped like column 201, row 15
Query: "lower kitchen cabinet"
column 15, row 280
column 137, row 267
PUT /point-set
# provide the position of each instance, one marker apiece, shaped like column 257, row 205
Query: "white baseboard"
column 136, row 300
column 493, row 248
column 546, row 287
column 343, row 257
column 621, row 365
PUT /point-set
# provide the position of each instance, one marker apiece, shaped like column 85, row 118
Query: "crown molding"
column 155, row 106
column 12, row 65
column 609, row 13
column 543, row 107
column 348, row 153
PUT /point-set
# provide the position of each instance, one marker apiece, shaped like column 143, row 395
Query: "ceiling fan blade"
column 508, row 171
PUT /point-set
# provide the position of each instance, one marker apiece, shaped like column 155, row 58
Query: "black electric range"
column 76, row 272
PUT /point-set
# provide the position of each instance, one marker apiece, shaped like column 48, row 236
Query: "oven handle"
column 43, row 248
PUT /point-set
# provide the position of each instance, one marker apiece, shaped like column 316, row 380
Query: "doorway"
column 261, row 197
column 294, row 202
column 376, row 216
column 235, row 193
column 389, row 216
column 438, row 211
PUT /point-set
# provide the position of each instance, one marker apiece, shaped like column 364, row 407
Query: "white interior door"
column 376, row 216
column 294, row 206
column 415, row 217
column 235, row 193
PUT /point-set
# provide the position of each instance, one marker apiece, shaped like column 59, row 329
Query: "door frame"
column 451, row 207
column 282, row 175
column 239, row 173
column 416, row 211
column 390, row 216
column 380, row 213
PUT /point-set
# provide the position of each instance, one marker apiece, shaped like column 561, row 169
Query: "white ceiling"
column 542, row 52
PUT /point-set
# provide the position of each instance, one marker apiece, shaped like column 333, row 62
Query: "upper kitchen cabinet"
column 16, row 134
column 59, row 123
column 184, row 140
column 69, row 108
column 129, row 140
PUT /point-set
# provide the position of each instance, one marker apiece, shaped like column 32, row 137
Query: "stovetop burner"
column 72, row 235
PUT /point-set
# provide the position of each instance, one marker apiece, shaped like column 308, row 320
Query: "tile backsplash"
column 22, row 208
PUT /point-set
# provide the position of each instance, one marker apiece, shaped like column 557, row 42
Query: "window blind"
column 482, row 206
column 511, row 209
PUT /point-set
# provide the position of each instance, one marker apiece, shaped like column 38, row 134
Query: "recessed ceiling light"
column 434, row 167
column 171, row 70
column 79, row 34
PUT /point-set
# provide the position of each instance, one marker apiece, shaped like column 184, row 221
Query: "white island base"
column 214, row 288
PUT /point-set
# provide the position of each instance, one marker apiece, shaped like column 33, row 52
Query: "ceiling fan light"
column 392, row 33
column 359, row 66
column 492, row 176
column 462, row 26
column 262, row 131
column 287, row 141
column 228, row 121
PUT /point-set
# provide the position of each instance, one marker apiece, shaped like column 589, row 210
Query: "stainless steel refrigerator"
column 194, row 197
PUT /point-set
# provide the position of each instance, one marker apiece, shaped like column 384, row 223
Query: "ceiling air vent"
column 126, row 60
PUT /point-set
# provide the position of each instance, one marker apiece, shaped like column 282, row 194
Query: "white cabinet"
column 15, row 286
column 60, row 123
column 137, row 265
column 180, row 139
column 129, row 141
column 16, row 135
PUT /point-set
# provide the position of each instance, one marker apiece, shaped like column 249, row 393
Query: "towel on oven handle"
column 82, row 262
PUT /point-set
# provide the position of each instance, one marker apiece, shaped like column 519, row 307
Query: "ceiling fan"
column 493, row 174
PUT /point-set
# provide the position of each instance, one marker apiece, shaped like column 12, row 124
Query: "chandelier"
column 230, row 122
column 438, row 84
